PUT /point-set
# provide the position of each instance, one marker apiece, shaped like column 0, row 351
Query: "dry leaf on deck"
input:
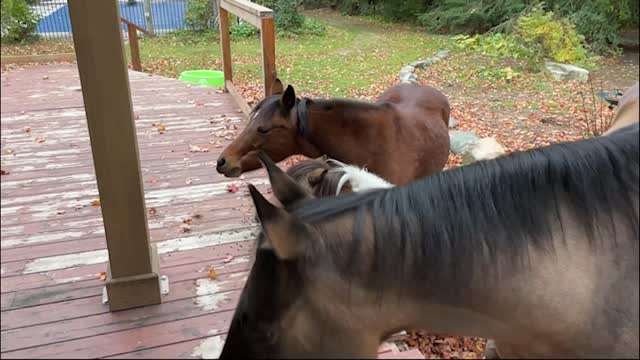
column 212, row 273
column 95, row 203
column 232, row 188
column 152, row 211
column 103, row 276
column 40, row 139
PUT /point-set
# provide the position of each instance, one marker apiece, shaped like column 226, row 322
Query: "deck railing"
column 260, row 17
column 132, row 33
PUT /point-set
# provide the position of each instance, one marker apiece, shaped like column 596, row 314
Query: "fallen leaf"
column 60, row 212
column 199, row 103
column 232, row 188
column 102, row 276
column 153, row 181
column 27, row 130
column 227, row 259
column 188, row 221
column 185, row 229
column 197, row 216
column 95, row 203
column 152, row 211
column 161, row 128
column 46, row 77
column 40, row 139
column 212, row 273
column 196, row 148
column 4, row 172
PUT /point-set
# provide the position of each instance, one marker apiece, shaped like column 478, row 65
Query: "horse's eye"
column 262, row 130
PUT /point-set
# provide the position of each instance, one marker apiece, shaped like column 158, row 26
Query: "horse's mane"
column 487, row 212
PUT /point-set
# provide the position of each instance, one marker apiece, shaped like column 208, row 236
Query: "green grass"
column 353, row 55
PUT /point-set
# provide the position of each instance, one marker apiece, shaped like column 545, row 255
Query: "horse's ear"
column 285, row 235
column 316, row 176
column 288, row 99
column 322, row 158
column 277, row 88
column 286, row 190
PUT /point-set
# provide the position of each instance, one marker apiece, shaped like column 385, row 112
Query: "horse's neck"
column 339, row 128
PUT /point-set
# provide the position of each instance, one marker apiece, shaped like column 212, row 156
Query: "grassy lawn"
column 355, row 54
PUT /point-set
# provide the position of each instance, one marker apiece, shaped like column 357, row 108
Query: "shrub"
column 201, row 15
column 18, row 21
column 557, row 37
column 243, row 29
column 536, row 35
column 288, row 18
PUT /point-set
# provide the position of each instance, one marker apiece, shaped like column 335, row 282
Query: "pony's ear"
column 286, row 190
column 288, row 99
column 316, row 176
column 277, row 88
column 285, row 235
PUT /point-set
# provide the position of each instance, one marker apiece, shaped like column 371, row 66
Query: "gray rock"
column 459, row 140
column 410, row 81
column 567, row 71
column 405, row 76
column 420, row 64
column 408, row 69
column 452, row 122
column 442, row 54
column 483, row 149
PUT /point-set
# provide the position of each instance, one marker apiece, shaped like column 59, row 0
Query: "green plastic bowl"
column 203, row 77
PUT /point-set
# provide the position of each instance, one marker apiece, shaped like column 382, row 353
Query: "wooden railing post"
column 267, row 34
column 225, row 43
column 135, row 49
column 133, row 273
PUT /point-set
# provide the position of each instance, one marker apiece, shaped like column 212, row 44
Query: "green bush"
column 469, row 17
column 200, row 15
column 288, row 18
column 18, row 21
column 558, row 38
column 243, row 29
column 536, row 35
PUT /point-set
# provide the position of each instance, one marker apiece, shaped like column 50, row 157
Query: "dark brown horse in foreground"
column 401, row 137
column 537, row 250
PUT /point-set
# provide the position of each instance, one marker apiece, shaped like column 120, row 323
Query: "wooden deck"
column 53, row 246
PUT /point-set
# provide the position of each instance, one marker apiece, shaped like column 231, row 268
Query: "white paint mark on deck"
column 180, row 244
column 209, row 298
column 209, row 348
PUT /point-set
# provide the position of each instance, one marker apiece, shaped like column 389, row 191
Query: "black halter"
column 303, row 120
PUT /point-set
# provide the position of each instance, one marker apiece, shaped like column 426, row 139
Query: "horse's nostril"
column 221, row 162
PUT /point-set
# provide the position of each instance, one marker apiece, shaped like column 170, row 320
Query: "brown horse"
column 537, row 250
column 628, row 110
column 401, row 137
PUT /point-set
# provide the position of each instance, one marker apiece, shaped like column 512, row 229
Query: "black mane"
column 489, row 211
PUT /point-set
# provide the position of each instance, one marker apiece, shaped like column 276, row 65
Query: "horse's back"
column 628, row 110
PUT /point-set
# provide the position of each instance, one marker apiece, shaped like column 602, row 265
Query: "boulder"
column 452, row 122
column 406, row 76
column 567, row 71
column 419, row 64
column 483, row 149
column 442, row 54
column 408, row 69
column 459, row 140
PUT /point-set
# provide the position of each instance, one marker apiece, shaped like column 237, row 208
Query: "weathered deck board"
column 52, row 238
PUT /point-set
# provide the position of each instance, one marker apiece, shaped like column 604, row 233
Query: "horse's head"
column 272, row 128
column 282, row 311
column 317, row 177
